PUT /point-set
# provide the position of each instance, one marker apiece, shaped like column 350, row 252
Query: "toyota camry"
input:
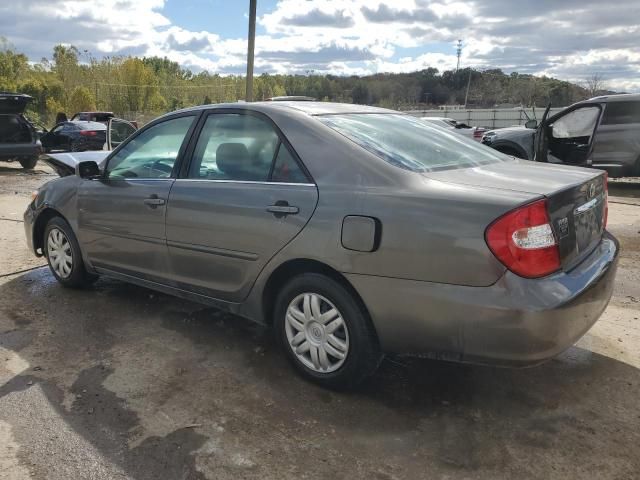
column 352, row 231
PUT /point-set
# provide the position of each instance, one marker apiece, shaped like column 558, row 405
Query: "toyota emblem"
column 592, row 191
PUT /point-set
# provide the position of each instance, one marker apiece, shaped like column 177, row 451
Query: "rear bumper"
column 515, row 322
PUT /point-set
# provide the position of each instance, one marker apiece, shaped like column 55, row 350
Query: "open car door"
column 540, row 142
column 118, row 130
column 568, row 137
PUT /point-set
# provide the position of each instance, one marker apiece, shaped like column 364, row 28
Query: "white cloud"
column 571, row 39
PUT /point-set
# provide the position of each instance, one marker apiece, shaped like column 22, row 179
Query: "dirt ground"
column 119, row 382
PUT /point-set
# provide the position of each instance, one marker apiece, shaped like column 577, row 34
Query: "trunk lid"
column 576, row 198
column 13, row 103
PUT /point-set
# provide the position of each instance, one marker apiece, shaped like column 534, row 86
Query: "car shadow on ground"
column 629, row 187
column 115, row 360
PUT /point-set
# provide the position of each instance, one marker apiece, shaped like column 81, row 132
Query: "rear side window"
column 243, row 148
column 617, row 113
column 410, row 143
column 286, row 169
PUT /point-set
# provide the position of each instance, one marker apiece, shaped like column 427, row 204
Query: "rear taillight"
column 88, row 133
column 524, row 242
column 478, row 133
column 606, row 201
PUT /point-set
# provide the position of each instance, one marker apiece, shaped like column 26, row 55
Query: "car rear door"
column 121, row 216
column 243, row 197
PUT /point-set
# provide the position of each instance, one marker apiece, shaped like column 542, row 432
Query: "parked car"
column 603, row 132
column 19, row 139
column 474, row 133
column 80, row 135
column 351, row 230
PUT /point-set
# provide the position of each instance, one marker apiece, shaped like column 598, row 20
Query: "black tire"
column 29, row 163
column 363, row 354
column 78, row 277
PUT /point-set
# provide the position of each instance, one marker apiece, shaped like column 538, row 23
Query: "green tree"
column 81, row 100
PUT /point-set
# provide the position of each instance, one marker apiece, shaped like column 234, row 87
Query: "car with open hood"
column 603, row 133
column 352, row 231
column 19, row 138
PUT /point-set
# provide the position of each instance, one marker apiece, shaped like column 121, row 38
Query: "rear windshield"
column 410, row 143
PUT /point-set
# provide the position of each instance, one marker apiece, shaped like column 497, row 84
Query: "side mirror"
column 87, row 169
column 531, row 124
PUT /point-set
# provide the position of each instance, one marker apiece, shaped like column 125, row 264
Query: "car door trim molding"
column 250, row 182
column 129, row 236
column 222, row 252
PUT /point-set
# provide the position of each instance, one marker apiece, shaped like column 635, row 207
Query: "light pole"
column 250, row 48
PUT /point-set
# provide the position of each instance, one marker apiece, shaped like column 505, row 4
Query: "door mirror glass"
column 234, row 147
column 153, row 152
column 87, row 169
column 531, row 124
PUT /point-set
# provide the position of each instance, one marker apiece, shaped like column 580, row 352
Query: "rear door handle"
column 153, row 201
column 280, row 209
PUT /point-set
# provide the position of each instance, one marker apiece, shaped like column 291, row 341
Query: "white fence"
column 488, row 117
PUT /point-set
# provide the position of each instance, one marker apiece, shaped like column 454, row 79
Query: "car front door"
column 569, row 136
column 121, row 216
column 244, row 196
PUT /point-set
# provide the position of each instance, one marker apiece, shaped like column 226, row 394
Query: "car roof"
column 310, row 108
column 87, row 125
column 93, row 113
column 620, row 97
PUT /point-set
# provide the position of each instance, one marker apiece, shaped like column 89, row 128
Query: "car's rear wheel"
column 63, row 255
column 29, row 163
column 325, row 331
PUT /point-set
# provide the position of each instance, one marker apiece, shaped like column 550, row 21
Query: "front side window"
column 579, row 123
column 232, row 146
column 153, row 153
column 410, row 143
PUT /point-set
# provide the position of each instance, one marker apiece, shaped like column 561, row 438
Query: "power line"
column 170, row 86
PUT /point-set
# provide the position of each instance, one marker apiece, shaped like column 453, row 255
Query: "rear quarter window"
column 617, row 113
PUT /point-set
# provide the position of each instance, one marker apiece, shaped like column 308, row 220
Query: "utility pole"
column 458, row 53
column 466, row 95
column 250, row 49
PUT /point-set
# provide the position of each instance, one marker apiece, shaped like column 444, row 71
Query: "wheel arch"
column 40, row 224
column 508, row 146
column 290, row 269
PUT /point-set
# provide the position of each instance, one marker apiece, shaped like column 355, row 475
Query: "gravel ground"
column 122, row 382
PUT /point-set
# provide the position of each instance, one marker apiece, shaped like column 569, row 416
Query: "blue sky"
column 568, row 39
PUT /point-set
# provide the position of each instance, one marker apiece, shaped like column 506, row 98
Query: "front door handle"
column 282, row 208
column 153, row 201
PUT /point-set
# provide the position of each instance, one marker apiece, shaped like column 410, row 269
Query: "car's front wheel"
column 63, row 255
column 325, row 331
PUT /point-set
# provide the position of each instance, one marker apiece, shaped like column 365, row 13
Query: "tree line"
column 141, row 88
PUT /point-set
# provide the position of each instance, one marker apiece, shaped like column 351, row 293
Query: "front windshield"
column 410, row 143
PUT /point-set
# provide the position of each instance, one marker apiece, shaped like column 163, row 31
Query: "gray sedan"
column 353, row 231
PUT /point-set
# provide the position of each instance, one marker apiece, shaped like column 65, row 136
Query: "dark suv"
column 603, row 132
column 18, row 136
